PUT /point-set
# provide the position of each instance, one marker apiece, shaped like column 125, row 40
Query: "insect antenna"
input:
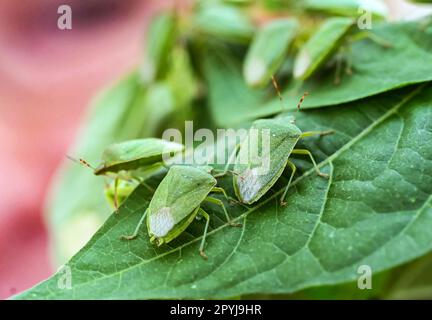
column 301, row 100
column 236, row 174
column 81, row 161
column 276, row 86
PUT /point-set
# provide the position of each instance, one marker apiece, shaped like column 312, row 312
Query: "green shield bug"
column 177, row 201
column 160, row 40
column 132, row 161
column 330, row 37
column 320, row 46
column 251, row 178
column 347, row 7
column 268, row 50
column 135, row 154
column 223, row 22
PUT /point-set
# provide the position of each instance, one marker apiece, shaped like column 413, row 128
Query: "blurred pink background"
column 47, row 77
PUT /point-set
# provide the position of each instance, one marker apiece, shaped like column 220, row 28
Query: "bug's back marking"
column 161, row 222
column 177, row 196
column 251, row 182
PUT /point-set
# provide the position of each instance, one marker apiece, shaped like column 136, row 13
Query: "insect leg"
column 221, row 190
column 293, row 171
column 221, row 204
column 116, row 202
column 348, row 66
column 316, row 133
column 372, row 36
column 337, row 78
column 147, row 187
column 308, row 153
column 207, row 217
column 135, row 234
column 230, row 160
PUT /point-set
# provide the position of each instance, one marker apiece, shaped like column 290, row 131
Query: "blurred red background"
column 47, row 77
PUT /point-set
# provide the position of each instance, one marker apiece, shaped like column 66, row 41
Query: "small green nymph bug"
column 323, row 43
column 268, row 50
column 177, row 201
column 333, row 35
column 132, row 161
column 250, row 180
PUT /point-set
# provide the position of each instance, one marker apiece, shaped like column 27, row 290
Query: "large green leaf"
column 376, row 69
column 375, row 209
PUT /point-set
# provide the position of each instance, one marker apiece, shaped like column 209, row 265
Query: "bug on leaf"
column 177, row 202
column 329, row 38
column 222, row 21
column 251, row 179
column 267, row 51
column 350, row 8
column 131, row 161
column 160, row 40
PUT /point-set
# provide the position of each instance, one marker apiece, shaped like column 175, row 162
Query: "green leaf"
column 375, row 70
column 268, row 50
column 375, row 209
column 229, row 96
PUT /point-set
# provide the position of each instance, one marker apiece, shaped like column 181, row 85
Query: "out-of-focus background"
column 47, row 78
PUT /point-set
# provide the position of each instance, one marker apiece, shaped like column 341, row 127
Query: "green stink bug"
column 160, row 40
column 132, row 161
column 267, row 51
column 330, row 37
column 177, row 201
column 251, row 179
column 320, row 46
column 134, row 154
column 350, row 8
column 223, row 22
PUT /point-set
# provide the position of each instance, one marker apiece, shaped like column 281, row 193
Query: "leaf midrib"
column 299, row 179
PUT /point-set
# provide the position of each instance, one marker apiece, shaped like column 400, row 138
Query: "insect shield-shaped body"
column 177, row 201
column 274, row 140
column 135, row 154
column 334, row 35
column 129, row 163
column 321, row 46
column 268, row 50
column 263, row 157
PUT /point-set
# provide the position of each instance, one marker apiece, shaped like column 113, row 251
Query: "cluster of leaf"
column 213, row 65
